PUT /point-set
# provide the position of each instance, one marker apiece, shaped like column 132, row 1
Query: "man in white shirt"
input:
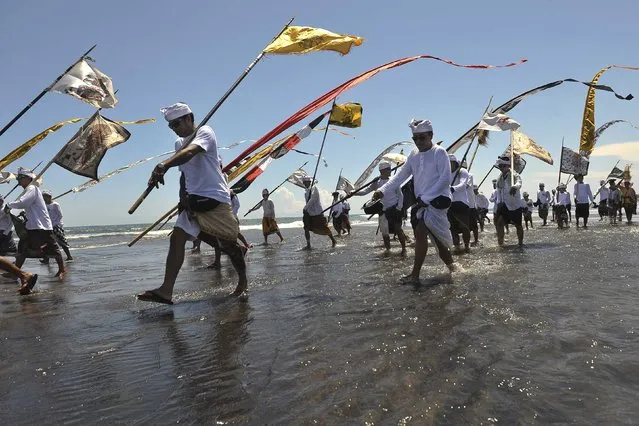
column 493, row 199
column 543, row 203
column 583, row 198
column 55, row 213
column 7, row 245
column 269, row 224
column 313, row 216
column 346, row 210
column 603, row 200
column 473, row 217
column 459, row 211
column 563, row 201
column 430, row 169
column 482, row 206
column 390, row 220
column 40, row 241
column 527, row 209
column 508, row 201
column 205, row 202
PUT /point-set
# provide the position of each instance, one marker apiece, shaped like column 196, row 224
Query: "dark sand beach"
column 546, row 334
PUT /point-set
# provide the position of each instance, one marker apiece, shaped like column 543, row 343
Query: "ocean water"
column 545, row 334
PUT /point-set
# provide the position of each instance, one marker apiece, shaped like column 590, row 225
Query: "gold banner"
column 307, row 39
column 587, row 141
column 26, row 147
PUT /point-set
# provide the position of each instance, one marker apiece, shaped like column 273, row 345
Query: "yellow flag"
column 307, row 39
column 346, row 115
column 523, row 144
column 143, row 121
column 587, row 141
column 26, row 147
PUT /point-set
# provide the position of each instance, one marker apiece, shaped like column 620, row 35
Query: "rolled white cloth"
column 420, row 126
column 436, row 221
column 175, row 111
column 188, row 225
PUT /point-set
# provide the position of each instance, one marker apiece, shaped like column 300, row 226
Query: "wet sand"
column 533, row 336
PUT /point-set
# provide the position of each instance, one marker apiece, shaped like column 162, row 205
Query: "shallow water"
column 533, row 336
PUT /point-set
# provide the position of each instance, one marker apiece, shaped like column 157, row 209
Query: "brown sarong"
column 269, row 226
column 219, row 222
column 316, row 224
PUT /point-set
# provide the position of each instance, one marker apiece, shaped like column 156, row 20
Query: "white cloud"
column 287, row 202
column 628, row 151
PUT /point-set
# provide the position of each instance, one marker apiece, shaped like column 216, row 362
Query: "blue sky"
column 161, row 52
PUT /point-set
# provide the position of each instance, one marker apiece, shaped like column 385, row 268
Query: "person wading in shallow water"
column 508, row 201
column 430, row 169
column 41, row 241
column 390, row 220
column 313, row 217
column 583, row 198
column 205, row 202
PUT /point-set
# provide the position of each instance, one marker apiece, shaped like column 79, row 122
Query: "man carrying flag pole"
column 205, row 202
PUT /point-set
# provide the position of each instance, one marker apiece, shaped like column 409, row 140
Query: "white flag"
column 344, row 184
column 497, row 123
column 88, row 84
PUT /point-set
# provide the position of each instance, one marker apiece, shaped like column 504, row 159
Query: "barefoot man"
column 313, row 217
column 269, row 224
column 430, row 169
column 205, row 201
column 41, row 241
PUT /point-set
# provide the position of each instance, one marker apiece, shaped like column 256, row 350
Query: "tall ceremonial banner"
column 371, row 167
column 296, row 39
column 608, row 124
column 346, row 115
column 328, row 97
column 573, row 163
column 84, row 152
column 277, row 152
column 512, row 103
column 88, row 84
column 587, row 141
column 92, row 182
column 523, row 144
column 26, row 147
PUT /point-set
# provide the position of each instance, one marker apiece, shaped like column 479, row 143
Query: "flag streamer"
column 329, row 96
column 605, row 126
column 587, row 140
column 512, row 103
column 26, row 147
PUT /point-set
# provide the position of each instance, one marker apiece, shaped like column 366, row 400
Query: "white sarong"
column 436, row 221
column 188, row 225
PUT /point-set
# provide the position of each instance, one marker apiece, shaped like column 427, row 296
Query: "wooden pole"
column 37, row 98
column 319, row 157
column 257, row 206
column 208, row 116
column 150, row 228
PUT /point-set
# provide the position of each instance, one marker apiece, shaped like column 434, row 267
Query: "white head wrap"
column 307, row 179
column 175, row 111
column 525, row 194
column 265, row 191
column 47, row 192
column 25, row 172
column 502, row 162
column 384, row 165
column 420, row 126
column 451, row 157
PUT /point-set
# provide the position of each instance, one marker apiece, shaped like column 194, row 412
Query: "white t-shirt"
column 460, row 185
column 583, row 194
column 313, row 205
column 563, row 199
column 603, row 193
column 55, row 213
column 269, row 208
column 35, row 209
column 203, row 172
column 430, row 171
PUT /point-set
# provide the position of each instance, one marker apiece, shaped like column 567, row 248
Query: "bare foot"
column 409, row 279
column 61, row 274
column 214, row 265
